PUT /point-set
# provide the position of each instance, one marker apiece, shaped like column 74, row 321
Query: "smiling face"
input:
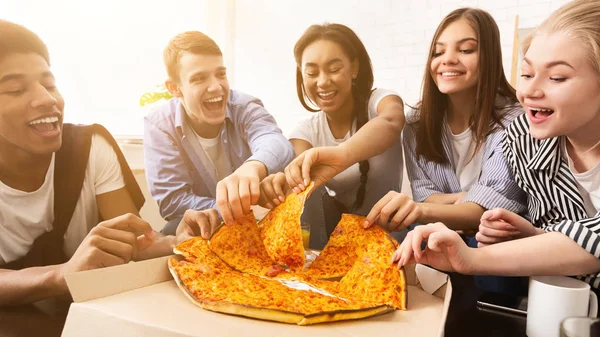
column 454, row 63
column 327, row 74
column 31, row 108
column 203, row 89
column 559, row 88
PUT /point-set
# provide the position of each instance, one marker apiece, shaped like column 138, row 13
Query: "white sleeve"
column 107, row 170
column 305, row 130
column 376, row 98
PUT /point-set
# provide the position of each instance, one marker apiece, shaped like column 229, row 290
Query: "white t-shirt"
column 24, row 216
column 385, row 172
column 467, row 167
column 588, row 183
column 218, row 158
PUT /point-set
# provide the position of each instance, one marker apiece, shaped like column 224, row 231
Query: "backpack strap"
column 70, row 164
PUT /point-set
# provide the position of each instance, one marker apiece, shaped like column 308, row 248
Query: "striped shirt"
column 555, row 203
column 495, row 186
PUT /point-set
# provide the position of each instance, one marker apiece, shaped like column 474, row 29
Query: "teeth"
column 326, row 94
column 450, row 73
column 44, row 120
column 544, row 110
column 215, row 100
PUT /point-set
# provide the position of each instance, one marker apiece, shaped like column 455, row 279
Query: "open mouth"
column 48, row 126
column 214, row 103
column 539, row 114
column 327, row 95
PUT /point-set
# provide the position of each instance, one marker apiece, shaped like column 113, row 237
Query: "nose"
column 449, row 57
column 323, row 79
column 530, row 88
column 43, row 98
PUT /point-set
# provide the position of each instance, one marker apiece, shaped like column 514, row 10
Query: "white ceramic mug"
column 554, row 298
column 580, row 327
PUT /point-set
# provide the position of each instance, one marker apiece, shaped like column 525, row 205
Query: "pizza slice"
column 242, row 248
column 197, row 250
column 281, row 234
column 346, row 243
column 374, row 278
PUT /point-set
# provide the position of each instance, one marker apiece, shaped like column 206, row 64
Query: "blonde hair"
column 579, row 19
column 192, row 41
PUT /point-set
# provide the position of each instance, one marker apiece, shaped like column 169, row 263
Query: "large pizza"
column 255, row 270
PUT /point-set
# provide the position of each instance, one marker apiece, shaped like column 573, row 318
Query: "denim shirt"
column 180, row 174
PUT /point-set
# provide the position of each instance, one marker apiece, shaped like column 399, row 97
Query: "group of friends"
column 503, row 182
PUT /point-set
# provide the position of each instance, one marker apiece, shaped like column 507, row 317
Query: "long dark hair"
column 361, row 86
column 491, row 82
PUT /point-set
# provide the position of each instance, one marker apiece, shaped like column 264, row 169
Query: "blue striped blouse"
column 495, row 186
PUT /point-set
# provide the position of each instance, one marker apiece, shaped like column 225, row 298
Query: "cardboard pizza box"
column 141, row 299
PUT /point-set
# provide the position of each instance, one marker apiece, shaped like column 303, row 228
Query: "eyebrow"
column 551, row 64
column 330, row 62
column 204, row 72
column 14, row 76
column 460, row 41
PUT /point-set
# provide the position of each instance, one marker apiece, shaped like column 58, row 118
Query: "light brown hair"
column 193, row 42
column 579, row 19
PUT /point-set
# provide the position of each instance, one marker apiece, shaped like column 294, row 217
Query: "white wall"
column 396, row 33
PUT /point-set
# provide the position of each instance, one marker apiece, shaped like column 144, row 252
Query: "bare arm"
column 30, row 285
column 378, row 134
column 443, row 198
column 545, row 254
column 464, row 216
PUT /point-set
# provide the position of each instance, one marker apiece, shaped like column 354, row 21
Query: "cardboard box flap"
column 430, row 279
column 97, row 283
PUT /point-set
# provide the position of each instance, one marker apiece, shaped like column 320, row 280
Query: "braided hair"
column 361, row 86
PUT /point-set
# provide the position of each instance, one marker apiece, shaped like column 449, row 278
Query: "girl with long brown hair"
column 354, row 131
column 452, row 140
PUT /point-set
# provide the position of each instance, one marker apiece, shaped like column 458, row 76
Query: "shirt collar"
column 547, row 156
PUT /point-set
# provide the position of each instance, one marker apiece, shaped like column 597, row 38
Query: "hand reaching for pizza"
column 110, row 243
column 318, row 164
column 445, row 249
column 499, row 225
column 197, row 223
column 273, row 190
column 240, row 190
column 395, row 211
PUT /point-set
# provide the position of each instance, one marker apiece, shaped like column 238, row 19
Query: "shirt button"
column 225, row 141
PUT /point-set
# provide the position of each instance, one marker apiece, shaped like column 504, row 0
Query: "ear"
column 173, row 88
column 355, row 67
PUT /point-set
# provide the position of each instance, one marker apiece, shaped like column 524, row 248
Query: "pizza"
column 346, row 243
column 373, row 278
column 241, row 270
column 233, row 292
column 281, row 234
column 241, row 247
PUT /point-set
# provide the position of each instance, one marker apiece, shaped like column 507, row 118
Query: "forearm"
column 372, row 139
column 31, row 285
column 174, row 203
column 442, row 198
column 464, row 216
column 544, row 254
